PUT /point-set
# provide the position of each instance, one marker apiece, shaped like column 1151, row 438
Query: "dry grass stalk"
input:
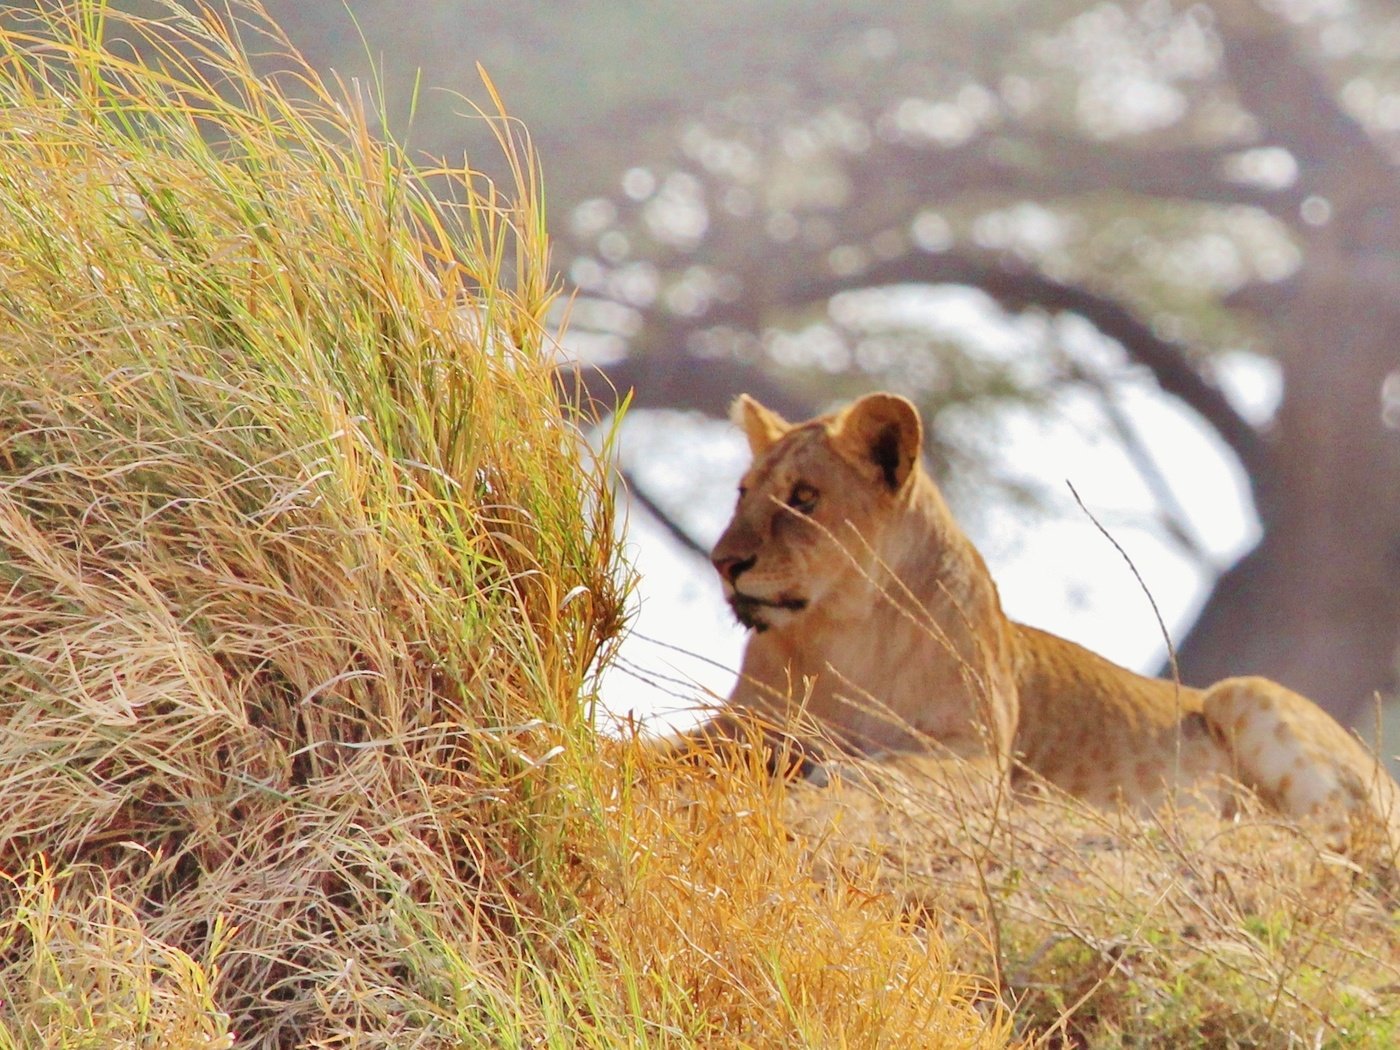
column 716, row 906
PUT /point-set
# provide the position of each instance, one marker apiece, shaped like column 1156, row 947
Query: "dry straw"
column 1110, row 929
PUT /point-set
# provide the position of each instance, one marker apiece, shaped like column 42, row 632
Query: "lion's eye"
column 803, row 498
column 743, row 491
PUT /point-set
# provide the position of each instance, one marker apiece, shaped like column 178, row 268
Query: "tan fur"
column 872, row 610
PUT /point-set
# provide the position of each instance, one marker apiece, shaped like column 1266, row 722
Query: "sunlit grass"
column 305, row 578
column 305, row 569
column 732, row 933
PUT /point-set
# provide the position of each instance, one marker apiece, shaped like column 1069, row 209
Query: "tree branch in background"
column 679, row 381
column 660, row 374
column 1018, row 289
column 1043, row 166
column 1174, row 519
column 672, row 527
column 1289, row 96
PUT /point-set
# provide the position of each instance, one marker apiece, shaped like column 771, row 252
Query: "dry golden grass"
column 717, row 910
column 305, row 575
column 300, row 576
column 1105, row 929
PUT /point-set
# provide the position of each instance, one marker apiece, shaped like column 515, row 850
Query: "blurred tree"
column 1189, row 179
column 1186, row 179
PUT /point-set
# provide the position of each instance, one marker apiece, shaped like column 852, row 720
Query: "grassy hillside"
column 1109, row 930
column 304, row 576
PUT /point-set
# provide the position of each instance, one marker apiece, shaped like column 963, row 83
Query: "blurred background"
column 1147, row 249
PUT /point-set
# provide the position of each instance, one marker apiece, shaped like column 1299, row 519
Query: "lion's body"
column 873, row 612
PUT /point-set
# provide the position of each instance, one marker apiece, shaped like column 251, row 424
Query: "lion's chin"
column 758, row 614
column 749, row 614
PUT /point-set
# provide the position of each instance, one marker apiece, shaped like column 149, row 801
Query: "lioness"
column 871, row 609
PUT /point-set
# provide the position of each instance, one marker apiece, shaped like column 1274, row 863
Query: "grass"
column 719, row 908
column 1105, row 930
column 306, row 574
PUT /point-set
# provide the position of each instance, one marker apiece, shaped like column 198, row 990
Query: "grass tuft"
column 303, row 570
column 727, row 929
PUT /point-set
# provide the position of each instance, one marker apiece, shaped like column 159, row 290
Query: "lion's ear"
column 880, row 431
column 761, row 425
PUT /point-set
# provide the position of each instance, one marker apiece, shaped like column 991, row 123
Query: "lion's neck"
column 933, row 558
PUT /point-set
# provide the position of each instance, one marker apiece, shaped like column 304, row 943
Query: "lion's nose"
column 731, row 568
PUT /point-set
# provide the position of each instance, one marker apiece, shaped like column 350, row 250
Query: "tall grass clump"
column 304, row 576
column 302, row 567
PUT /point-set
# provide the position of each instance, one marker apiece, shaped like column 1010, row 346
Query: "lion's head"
column 813, row 488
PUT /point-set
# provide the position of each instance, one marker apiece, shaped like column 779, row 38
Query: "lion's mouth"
column 748, row 609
